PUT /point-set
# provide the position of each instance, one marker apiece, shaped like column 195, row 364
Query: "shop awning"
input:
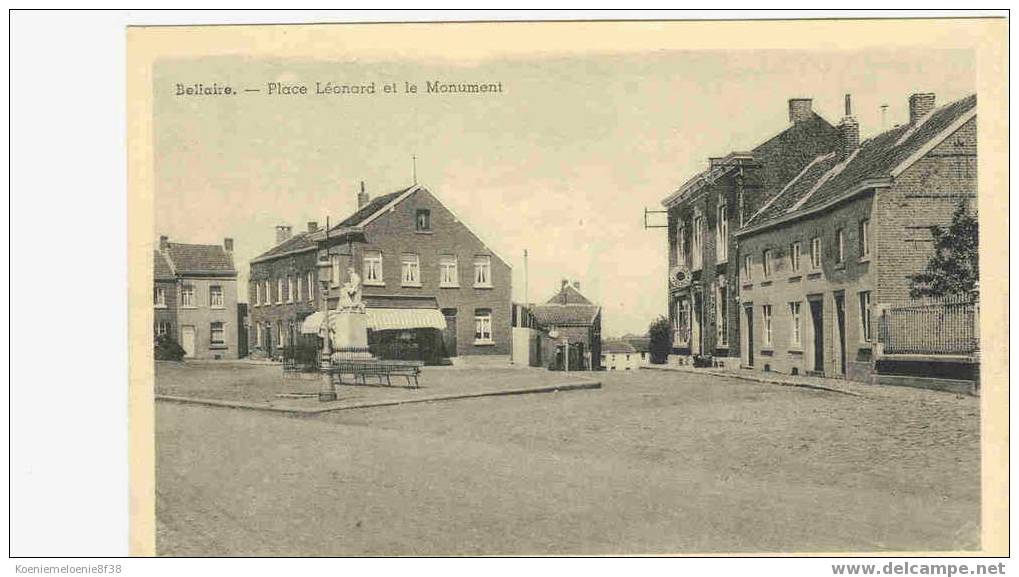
column 387, row 320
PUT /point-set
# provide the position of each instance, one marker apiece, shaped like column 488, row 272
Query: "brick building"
column 703, row 216
column 421, row 268
column 841, row 239
column 195, row 298
column 567, row 316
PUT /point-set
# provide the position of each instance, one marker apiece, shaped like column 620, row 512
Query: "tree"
column 661, row 340
column 953, row 268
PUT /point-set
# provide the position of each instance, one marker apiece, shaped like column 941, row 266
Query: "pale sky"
column 562, row 163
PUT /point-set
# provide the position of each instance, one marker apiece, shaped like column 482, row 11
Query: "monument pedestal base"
column 349, row 335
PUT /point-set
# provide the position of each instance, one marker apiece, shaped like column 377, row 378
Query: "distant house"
column 641, row 344
column 568, row 318
column 195, row 298
column 619, row 355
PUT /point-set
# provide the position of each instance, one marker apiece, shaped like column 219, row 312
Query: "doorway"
column 449, row 334
column 695, row 332
column 749, row 308
column 840, row 326
column 817, row 324
column 187, row 340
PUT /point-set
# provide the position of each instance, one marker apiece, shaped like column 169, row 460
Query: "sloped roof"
column 828, row 177
column 298, row 242
column 641, row 344
column 568, row 295
column 549, row 315
column 617, row 347
column 199, row 258
column 374, row 205
column 161, row 269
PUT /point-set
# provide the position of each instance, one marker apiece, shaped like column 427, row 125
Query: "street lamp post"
column 554, row 333
column 328, row 391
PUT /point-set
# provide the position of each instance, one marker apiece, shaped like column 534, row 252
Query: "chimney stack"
column 800, row 109
column 228, row 244
column 312, row 226
column 164, row 242
column 849, row 132
column 283, row 232
column 576, row 284
column 920, row 104
column 362, row 197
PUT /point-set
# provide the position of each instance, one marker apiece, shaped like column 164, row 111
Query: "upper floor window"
column 722, row 232
column 448, row 275
column 411, row 270
column 748, row 266
column 864, row 238
column 217, row 334
column 815, row 252
column 290, row 289
column 371, row 263
column 483, row 326
column 740, row 207
column 279, row 291
column 300, row 289
column 766, row 263
column 681, row 244
column 216, row 296
column 266, row 294
column 794, row 256
column 258, row 293
column 483, row 271
column 311, row 286
column 334, row 268
column 187, row 296
column 423, row 219
column 697, row 242
column 840, row 245
column 159, row 297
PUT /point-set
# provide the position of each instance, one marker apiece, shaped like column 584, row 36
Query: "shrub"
column 661, row 340
column 167, row 349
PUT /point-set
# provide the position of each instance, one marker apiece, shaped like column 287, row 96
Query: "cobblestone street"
column 654, row 462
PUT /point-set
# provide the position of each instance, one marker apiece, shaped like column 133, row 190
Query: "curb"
column 576, row 386
column 754, row 379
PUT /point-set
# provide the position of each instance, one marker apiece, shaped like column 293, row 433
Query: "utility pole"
column 414, row 168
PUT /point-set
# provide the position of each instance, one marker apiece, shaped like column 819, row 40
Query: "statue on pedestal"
column 350, row 294
column 348, row 323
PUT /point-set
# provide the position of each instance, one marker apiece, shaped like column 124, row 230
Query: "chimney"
column 282, row 232
column 362, row 197
column 228, row 244
column 849, row 132
column 565, row 283
column 164, row 242
column 920, row 104
column 800, row 109
column 312, row 226
column 576, row 284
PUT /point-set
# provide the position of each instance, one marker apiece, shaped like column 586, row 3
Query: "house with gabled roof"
column 840, row 240
column 568, row 317
column 432, row 287
column 195, row 298
column 703, row 216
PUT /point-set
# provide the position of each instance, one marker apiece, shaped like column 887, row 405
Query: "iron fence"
column 937, row 328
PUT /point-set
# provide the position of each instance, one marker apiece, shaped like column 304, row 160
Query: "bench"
column 377, row 368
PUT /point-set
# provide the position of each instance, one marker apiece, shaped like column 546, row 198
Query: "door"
column 750, row 334
column 817, row 323
column 695, row 333
column 840, row 326
column 187, row 340
column 449, row 335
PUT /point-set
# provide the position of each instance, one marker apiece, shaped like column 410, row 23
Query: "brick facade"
column 272, row 316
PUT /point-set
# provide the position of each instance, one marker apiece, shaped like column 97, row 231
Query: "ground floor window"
column 163, row 328
column 722, row 313
column 865, row 316
column 681, row 325
column 794, row 319
column 217, row 334
column 766, row 310
column 482, row 326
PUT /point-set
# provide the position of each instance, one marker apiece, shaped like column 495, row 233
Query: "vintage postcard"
column 569, row 288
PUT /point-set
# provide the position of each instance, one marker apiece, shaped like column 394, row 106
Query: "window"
column 423, row 220
column 865, row 316
column 279, row 334
column 794, row 256
column 767, row 325
column 722, row 233
column 748, row 265
column 766, row 263
column 159, row 297
column 740, row 207
column 864, row 238
column 217, row 335
column 371, row 265
column 163, row 328
column 681, row 335
column 258, row 293
column 265, row 294
column 334, row 269
column 794, row 317
column 411, row 270
column 448, row 275
column 482, row 326
column 290, row 289
column 482, row 271
column 681, row 245
column 259, row 336
column 187, row 296
column 840, row 245
column 311, row 286
column 297, row 297
column 722, row 313
column 216, row 296
column 697, row 242
column 815, row 252
column 279, row 290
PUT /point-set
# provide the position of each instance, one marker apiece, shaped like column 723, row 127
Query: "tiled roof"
column 297, row 242
column 199, row 258
column 827, row 178
column 568, row 295
column 374, row 205
column 641, row 344
column 617, row 347
column 161, row 269
column 549, row 315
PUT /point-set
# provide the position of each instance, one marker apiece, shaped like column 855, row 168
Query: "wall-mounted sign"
column 679, row 277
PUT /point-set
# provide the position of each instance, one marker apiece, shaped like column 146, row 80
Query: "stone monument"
column 348, row 323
